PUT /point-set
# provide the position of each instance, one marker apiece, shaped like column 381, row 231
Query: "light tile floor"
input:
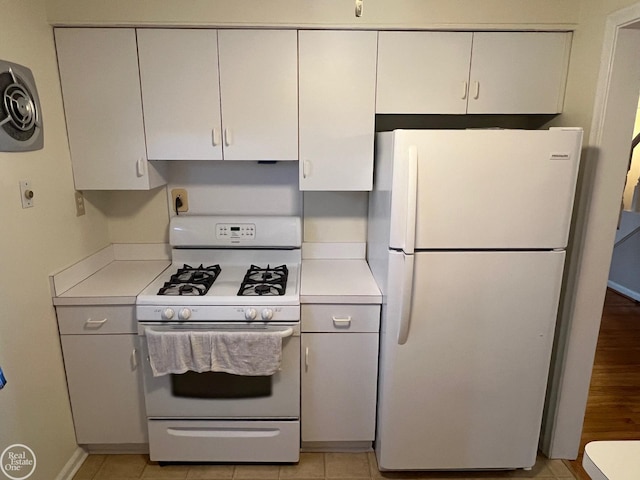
column 312, row 466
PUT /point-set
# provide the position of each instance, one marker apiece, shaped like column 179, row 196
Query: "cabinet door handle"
column 342, row 322
column 465, row 88
column 228, row 136
column 215, row 137
column 306, row 169
column 95, row 323
column 134, row 359
column 476, row 90
column 306, row 359
column 141, row 167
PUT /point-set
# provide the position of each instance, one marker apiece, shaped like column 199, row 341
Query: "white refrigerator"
column 467, row 237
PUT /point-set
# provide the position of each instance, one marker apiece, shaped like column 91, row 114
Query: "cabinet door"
column 339, row 376
column 423, row 72
column 337, row 109
column 105, row 388
column 518, row 72
column 259, row 92
column 101, row 91
column 180, row 93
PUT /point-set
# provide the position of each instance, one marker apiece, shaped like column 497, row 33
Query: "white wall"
column 320, row 13
column 133, row 216
column 34, row 408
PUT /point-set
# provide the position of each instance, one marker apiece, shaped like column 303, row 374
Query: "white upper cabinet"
column 103, row 109
column 481, row 72
column 180, row 93
column 422, row 72
column 213, row 95
column 337, row 75
column 518, row 72
column 259, row 91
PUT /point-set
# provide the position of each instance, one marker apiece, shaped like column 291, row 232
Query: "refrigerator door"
column 483, row 189
column 466, row 388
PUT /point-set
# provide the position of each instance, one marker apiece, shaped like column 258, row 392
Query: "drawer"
column 75, row 320
column 340, row 318
column 224, row 441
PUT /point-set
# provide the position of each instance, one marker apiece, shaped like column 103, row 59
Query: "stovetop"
column 214, row 259
column 224, row 290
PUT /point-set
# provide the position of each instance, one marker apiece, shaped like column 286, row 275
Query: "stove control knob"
column 267, row 314
column 185, row 314
column 250, row 314
column 168, row 313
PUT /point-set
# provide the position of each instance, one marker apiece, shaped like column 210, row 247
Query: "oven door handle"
column 282, row 333
column 286, row 333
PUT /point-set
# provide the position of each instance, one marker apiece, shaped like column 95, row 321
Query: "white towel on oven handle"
column 247, row 353
column 178, row 351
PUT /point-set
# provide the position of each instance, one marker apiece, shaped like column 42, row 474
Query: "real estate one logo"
column 18, row 462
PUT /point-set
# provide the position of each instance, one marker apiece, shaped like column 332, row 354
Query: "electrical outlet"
column 180, row 193
column 79, row 204
column 26, row 193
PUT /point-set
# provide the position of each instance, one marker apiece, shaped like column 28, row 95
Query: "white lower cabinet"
column 101, row 358
column 339, row 372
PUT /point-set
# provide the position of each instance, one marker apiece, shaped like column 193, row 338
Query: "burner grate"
column 268, row 281
column 191, row 281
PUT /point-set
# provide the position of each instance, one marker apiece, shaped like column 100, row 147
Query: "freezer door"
column 483, row 189
column 466, row 388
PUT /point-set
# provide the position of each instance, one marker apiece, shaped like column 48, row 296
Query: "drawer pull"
column 95, row 323
column 342, row 322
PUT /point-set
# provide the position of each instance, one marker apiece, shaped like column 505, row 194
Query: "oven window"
column 219, row 385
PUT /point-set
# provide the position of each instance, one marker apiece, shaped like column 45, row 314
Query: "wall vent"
column 20, row 114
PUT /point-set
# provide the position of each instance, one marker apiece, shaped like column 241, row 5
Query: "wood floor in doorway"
column 613, row 408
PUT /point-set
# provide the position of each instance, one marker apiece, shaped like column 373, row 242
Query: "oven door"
column 218, row 395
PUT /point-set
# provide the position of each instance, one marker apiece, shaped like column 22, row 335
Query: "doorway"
column 605, row 165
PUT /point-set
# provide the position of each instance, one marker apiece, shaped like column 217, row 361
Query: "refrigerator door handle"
column 412, row 199
column 407, row 289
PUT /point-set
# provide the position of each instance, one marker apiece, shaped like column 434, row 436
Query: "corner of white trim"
column 73, row 465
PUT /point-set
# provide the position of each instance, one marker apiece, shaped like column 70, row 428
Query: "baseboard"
column 351, row 447
column 73, row 465
column 627, row 292
column 117, row 448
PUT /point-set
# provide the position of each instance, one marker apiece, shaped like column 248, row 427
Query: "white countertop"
column 338, row 281
column 119, row 282
column 612, row 460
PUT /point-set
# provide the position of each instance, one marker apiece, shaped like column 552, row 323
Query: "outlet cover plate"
column 79, row 204
column 182, row 193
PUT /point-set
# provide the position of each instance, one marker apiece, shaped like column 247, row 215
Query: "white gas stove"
column 229, row 275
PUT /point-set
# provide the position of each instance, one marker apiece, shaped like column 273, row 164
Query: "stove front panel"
column 182, row 309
